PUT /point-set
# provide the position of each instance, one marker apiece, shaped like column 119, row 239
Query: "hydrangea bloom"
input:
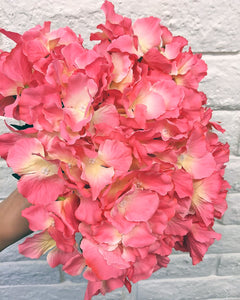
column 118, row 146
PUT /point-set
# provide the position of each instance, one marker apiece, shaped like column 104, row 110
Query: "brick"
column 232, row 214
column 191, row 288
column 229, row 264
column 237, row 298
column 7, row 182
column 232, row 173
column 20, row 273
column 42, row 292
column 75, row 279
column 230, row 241
column 205, row 24
column 230, row 121
column 181, row 266
column 221, row 85
column 63, row 291
column 11, row 254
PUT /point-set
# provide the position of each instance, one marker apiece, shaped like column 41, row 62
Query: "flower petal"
column 37, row 245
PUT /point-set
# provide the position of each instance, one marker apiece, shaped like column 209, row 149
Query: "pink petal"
column 178, row 226
column 154, row 103
column 106, row 233
column 139, row 205
column 156, row 60
column 16, row 37
column 103, row 287
column 17, row 67
column 7, row 140
column 78, row 100
column 124, row 43
column 58, row 257
column 175, row 47
column 196, row 144
column 43, row 190
column 63, row 242
column 71, row 52
column 88, row 211
column 116, row 154
column 170, row 92
column 97, row 174
column 183, row 183
column 75, row 265
column 96, row 261
column 122, row 64
column 148, row 31
column 24, row 156
column 106, row 114
column 143, row 268
column 161, row 183
column 115, row 258
column 37, row 245
column 38, row 217
column 140, row 236
column 119, row 221
column 199, row 240
column 199, row 167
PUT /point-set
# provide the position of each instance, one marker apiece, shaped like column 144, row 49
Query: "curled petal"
column 37, row 245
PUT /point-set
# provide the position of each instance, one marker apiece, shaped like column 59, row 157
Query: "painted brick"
column 7, row 182
column 229, row 264
column 232, row 214
column 204, row 23
column 42, row 292
column 221, row 85
column 181, row 266
column 21, row 273
column 54, row 292
column 230, row 121
column 11, row 254
column 189, row 289
column 230, row 241
column 235, row 298
column 232, row 174
column 75, row 279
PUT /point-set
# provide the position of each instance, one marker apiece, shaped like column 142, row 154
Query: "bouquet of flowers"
column 116, row 144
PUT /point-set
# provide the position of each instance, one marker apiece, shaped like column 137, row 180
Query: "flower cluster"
column 117, row 145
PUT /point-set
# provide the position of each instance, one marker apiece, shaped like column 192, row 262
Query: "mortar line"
column 218, row 53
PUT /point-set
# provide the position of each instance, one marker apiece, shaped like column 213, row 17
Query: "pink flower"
column 117, row 154
column 113, row 159
column 198, row 160
column 77, row 103
column 148, row 31
column 27, row 159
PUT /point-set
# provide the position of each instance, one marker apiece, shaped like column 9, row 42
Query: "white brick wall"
column 212, row 27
